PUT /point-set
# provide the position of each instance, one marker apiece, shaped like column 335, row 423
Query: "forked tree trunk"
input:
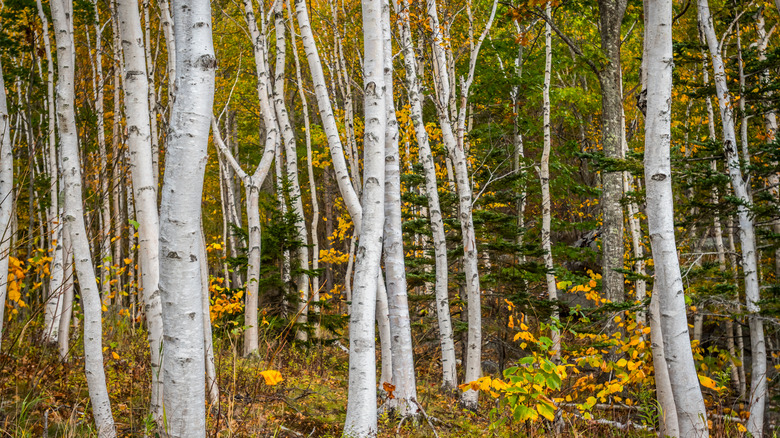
column 180, row 218
column 139, row 142
column 758, row 378
column 691, row 413
column 62, row 13
column 361, row 402
column 255, row 181
column 449, row 374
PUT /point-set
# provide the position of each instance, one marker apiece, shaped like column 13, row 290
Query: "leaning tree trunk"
column 62, row 13
column 139, row 139
column 361, row 402
column 6, row 195
column 758, row 386
column 180, row 218
column 691, row 413
column 667, row 417
column 348, row 191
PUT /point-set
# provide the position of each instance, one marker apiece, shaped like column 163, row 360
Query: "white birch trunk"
column 212, row 389
column 758, row 381
column 54, row 303
column 145, row 190
column 457, row 154
column 401, row 341
column 385, row 343
column 63, row 337
column 361, row 403
column 62, row 11
column 180, row 218
column 667, row 417
column 253, row 183
column 6, row 195
column 449, row 374
column 348, row 191
column 291, row 159
column 315, row 207
column 544, row 176
column 691, row 413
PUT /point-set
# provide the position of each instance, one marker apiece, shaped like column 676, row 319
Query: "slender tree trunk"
column 449, row 374
column 63, row 337
column 62, row 13
column 291, row 156
column 385, row 343
column 151, row 68
column 663, row 386
column 758, row 383
column 212, row 389
column 361, row 403
column 455, row 148
column 6, row 195
column 403, row 359
column 144, row 187
column 180, row 219
column 315, row 207
column 691, row 413
column 544, row 176
column 54, row 303
column 253, row 184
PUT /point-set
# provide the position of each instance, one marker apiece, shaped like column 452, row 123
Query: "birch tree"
column 361, row 403
column 758, row 378
column 291, row 166
column 62, row 13
column 691, row 413
column 455, row 148
column 6, row 195
column 180, row 218
column 449, row 374
column 145, row 190
column 544, row 176
column 400, row 325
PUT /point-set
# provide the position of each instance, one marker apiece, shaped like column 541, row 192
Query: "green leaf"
column 523, row 413
column 135, row 224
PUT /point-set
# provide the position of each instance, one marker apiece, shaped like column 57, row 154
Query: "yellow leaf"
column 114, row 355
column 105, row 309
column 272, row 377
column 708, row 383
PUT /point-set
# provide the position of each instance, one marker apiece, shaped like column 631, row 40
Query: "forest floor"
column 42, row 396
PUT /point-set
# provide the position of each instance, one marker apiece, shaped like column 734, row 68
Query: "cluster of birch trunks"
column 165, row 197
